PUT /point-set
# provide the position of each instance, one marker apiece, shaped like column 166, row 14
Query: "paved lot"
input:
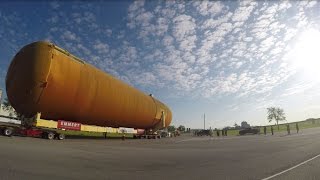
column 187, row 157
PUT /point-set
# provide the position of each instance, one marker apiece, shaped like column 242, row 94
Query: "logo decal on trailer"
column 69, row 125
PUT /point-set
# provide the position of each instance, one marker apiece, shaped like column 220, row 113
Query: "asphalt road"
column 186, row 157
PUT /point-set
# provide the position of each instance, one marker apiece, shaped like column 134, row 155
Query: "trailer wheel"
column 8, row 132
column 61, row 136
column 49, row 135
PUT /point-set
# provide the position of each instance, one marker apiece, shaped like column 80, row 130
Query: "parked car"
column 204, row 133
column 249, row 131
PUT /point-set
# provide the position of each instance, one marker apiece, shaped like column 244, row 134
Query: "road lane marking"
column 300, row 164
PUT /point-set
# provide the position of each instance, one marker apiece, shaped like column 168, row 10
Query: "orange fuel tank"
column 45, row 78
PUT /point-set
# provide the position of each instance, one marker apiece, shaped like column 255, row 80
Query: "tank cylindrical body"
column 45, row 78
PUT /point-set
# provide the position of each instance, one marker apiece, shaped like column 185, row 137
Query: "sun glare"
column 307, row 53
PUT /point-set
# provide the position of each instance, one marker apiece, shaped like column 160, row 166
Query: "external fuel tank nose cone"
column 26, row 73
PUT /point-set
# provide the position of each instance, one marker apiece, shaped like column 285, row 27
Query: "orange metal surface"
column 45, row 78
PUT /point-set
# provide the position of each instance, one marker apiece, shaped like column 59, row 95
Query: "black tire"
column 8, row 132
column 61, row 136
column 50, row 135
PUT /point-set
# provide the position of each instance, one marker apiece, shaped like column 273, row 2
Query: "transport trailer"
column 144, row 134
column 50, row 129
column 7, row 128
column 8, row 125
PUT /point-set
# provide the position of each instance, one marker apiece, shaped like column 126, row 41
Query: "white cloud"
column 162, row 26
column 108, row 32
column 284, row 5
column 77, row 17
column 167, row 40
column 311, row 4
column 167, row 12
column 68, row 35
column 55, row 4
column 102, row 48
column 298, row 88
column 84, row 49
column 267, row 43
column 136, row 5
column 208, row 7
column 201, row 48
column 243, row 13
column 212, row 23
column 183, row 25
column 54, row 19
column 289, row 34
column 188, row 43
column 144, row 18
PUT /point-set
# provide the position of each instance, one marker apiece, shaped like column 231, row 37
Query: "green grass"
column 282, row 127
column 231, row 132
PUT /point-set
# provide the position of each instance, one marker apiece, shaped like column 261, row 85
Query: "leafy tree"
column 275, row 114
column 244, row 124
column 236, row 126
column 7, row 107
column 181, row 128
column 171, row 128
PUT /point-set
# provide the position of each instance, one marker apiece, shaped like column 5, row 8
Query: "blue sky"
column 230, row 59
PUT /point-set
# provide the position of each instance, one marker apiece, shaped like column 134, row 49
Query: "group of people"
column 288, row 129
column 224, row 132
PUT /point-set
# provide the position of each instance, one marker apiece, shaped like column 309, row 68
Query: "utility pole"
column 0, row 100
column 204, row 121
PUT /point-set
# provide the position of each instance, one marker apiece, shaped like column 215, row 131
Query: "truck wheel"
column 8, row 132
column 61, row 136
column 50, row 135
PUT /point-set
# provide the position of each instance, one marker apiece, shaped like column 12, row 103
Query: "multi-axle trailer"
column 49, row 129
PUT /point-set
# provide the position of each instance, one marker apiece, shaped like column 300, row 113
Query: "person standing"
column 265, row 130
column 297, row 127
column 288, row 129
column 272, row 130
